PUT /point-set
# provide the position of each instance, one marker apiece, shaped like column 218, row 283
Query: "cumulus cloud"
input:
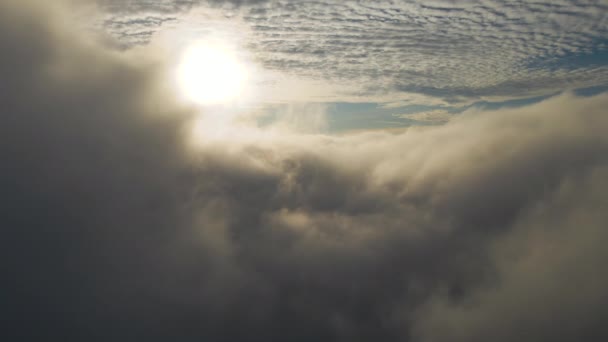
column 114, row 228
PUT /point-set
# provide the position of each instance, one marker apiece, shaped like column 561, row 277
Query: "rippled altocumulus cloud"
column 454, row 51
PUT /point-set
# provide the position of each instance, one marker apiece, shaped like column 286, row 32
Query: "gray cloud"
column 167, row 6
column 551, row 284
column 434, row 117
column 114, row 229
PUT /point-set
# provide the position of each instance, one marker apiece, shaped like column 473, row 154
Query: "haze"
column 327, row 171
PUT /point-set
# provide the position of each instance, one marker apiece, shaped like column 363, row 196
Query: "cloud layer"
column 453, row 51
column 114, row 228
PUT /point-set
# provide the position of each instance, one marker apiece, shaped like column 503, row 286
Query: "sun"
column 211, row 74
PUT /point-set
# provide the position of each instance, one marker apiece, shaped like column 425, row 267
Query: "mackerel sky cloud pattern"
column 452, row 51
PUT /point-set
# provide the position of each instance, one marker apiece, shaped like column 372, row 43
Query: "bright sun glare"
column 210, row 74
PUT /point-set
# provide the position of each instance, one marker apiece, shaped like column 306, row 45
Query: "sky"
column 425, row 60
column 304, row 170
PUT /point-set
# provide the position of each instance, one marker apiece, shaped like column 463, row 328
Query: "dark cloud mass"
column 491, row 227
